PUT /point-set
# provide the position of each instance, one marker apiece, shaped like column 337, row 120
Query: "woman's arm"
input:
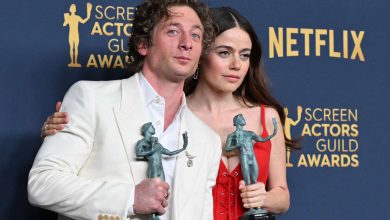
column 277, row 198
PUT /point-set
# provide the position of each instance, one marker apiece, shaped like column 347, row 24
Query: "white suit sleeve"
column 213, row 172
column 53, row 181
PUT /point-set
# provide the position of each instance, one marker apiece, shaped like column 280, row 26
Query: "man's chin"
column 180, row 77
column 183, row 74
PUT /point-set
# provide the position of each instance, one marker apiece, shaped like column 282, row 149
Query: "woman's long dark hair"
column 253, row 90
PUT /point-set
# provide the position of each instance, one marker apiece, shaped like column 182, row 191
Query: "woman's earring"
column 196, row 73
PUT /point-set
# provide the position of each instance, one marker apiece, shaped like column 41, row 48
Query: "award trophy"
column 243, row 141
column 149, row 148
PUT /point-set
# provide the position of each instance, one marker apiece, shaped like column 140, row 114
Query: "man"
column 90, row 170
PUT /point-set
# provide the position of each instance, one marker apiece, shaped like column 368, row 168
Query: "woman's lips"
column 231, row 78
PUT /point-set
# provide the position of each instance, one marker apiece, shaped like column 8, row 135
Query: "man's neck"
column 172, row 92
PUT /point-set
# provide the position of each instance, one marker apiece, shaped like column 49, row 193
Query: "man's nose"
column 186, row 42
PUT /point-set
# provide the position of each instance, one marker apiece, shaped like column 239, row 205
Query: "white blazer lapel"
column 130, row 117
column 185, row 175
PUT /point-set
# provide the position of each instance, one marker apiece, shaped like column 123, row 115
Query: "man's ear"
column 142, row 49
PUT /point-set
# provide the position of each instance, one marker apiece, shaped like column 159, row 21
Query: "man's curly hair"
column 149, row 14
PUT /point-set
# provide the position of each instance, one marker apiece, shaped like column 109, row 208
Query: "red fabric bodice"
column 226, row 196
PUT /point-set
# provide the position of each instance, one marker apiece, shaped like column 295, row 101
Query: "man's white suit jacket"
column 89, row 170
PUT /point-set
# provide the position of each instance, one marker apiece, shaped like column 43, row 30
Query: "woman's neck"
column 207, row 100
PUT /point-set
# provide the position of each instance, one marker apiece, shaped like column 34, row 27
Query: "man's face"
column 176, row 46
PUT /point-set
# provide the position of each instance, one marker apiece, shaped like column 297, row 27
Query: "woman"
column 230, row 82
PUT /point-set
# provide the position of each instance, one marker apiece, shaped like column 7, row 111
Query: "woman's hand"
column 253, row 195
column 54, row 123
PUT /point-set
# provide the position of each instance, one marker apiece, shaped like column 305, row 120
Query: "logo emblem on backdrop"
column 330, row 137
column 72, row 20
column 105, row 28
column 287, row 129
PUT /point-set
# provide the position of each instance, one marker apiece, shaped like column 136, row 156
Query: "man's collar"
column 151, row 95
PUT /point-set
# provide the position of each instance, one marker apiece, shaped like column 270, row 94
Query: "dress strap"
column 262, row 120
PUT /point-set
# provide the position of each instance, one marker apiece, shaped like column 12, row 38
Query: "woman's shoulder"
column 271, row 112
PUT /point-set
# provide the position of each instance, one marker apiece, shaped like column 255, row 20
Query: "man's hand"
column 151, row 196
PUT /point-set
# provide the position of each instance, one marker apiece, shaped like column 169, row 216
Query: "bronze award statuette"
column 150, row 149
column 242, row 140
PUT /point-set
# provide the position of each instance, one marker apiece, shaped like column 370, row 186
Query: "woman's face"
column 227, row 63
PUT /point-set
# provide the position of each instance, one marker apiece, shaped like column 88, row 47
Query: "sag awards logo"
column 111, row 26
column 329, row 134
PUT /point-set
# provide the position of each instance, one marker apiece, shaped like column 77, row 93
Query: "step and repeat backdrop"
column 327, row 63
